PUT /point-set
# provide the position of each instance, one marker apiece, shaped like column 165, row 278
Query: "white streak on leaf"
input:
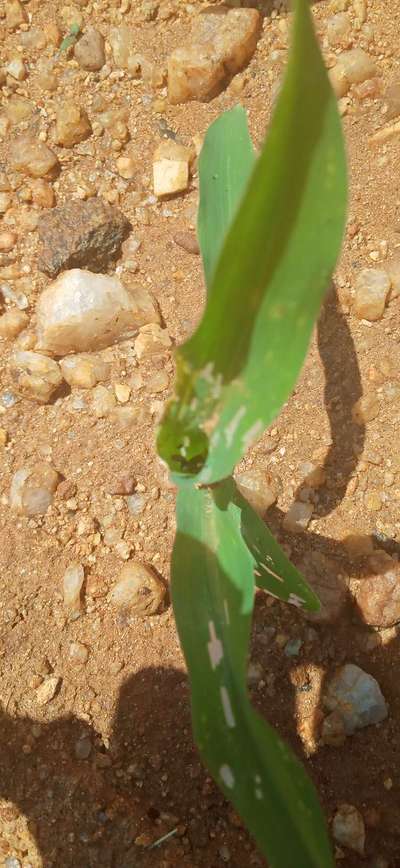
column 252, row 434
column 296, row 601
column 215, row 649
column 226, row 610
column 231, row 429
column 271, row 572
column 227, row 777
column 226, row 705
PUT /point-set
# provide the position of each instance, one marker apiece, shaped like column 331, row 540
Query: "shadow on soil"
column 87, row 813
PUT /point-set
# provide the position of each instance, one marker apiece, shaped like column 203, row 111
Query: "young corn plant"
column 270, row 230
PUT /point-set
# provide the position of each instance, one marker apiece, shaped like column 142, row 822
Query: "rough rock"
column 392, row 100
column 188, row 241
column 365, row 409
column 36, row 377
column 89, row 50
column 378, row 597
column 47, row 691
column 81, row 311
column 322, row 574
column 78, row 653
column 138, row 589
column 32, row 157
column 356, row 697
column 72, row 124
column 393, row 270
column 152, row 341
column 16, row 68
column 298, row 517
column 222, row 42
column 80, row 233
column 170, row 168
column 12, row 323
column 371, row 292
column 84, row 371
column 258, row 487
column 72, row 589
column 358, row 66
column 42, row 193
column 121, row 41
column 348, row 828
column 103, row 402
column 32, row 489
column 15, row 14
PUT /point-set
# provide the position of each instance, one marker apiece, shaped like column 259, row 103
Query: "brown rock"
column 379, row 596
column 138, row 589
column 89, row 50
column 72, row 124
column 15, row 14
column 322, row 574
column 188, row 241
column 78, row 234
column 123, row 485
column 32, row 157
column 222, row 43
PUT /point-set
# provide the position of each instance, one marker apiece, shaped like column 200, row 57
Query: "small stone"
column 378, row 597
column 152, row 340
column 126, row 167
column 158, row 382
column 12, row 862
column 136, row 504
column 47, row 691
column 103, row 402
column 138, row 589
column 122, row 392
column 170, row 168
column 338, row 29
column 392, row 100
column 72, row 588
column 8, row 241
column 339, row 82
column 84, row 371
column 72, row 124
column 42, row 193
column 83, row 748
column 292, row 647
column 16, row 68
column 36, row 377
column 357, row 65
column 5, row 202
column 121, row 41
column 3, row 437
column 124, row 484
column 89, row 50
column 333, row 731
column 393, row 270
column 358, row 545
column 348, row 828
column 32, row 157
column 222, row 43
column 81, row 311
column 357, row 697
column 258, row 487
column 188, row 241
column 365, row 409
column 371, row 292
column 88, row 234
column 323, row 575
column 12, row 323
column 298, row 517
column 78, row 653
column 19, row 109
column 32, row 489
column 15, row 14
column 33, row 39
column 312, row 474
column 373, row 501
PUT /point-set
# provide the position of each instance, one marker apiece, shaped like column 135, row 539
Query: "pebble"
column 32, row 157
column 138, row 589
column 258, row 487
column 15, row 14
column 322, row 574
column 393, row 270
column 126, row 167
column 170, row 168
column 78, row 653
column 124, row 485
column 378, row 597
column 121, row 41
column 12, row 323
column 16, row 68
column 219, row 46
column 84, row 370
column 72, row 588
column 42, row 193
column 32, row 489
column 358, row 66
column 83, row 748
column 188, row 241
column 47, row 691
column 81, row 311
column 151, row 341
column 72, row 124
column 371, row 292
column 103, row 402
column 36, row 377
column 89, row 50
column 88, row 234
column 19, row 109
column 365, row 409
column 12, row 862
column 8, row 241
column 298, row 517
column 392, row 100
column 348, row 828
column 338, row 29
column 357, row 697
column 136, row 504
column 122, row 392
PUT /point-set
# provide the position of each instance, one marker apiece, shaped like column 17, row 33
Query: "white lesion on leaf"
column 227, row 776
column 250, row 436
column 270, row 572
column 297, row 601
column 215, row 648
column 233, row 425
column 227, row 707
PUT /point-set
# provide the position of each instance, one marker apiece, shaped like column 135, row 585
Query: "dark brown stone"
column 81, row 235
column 379, row 596
column 188, row 241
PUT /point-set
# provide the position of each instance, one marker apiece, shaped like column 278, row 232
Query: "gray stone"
column 89, row 50
column 348, row 828
column 357, row 697
column 80, row 233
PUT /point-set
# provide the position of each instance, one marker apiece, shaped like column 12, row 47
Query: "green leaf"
column 241, row 364
column 69, row 40
column 226, row 160
column 213, row 593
